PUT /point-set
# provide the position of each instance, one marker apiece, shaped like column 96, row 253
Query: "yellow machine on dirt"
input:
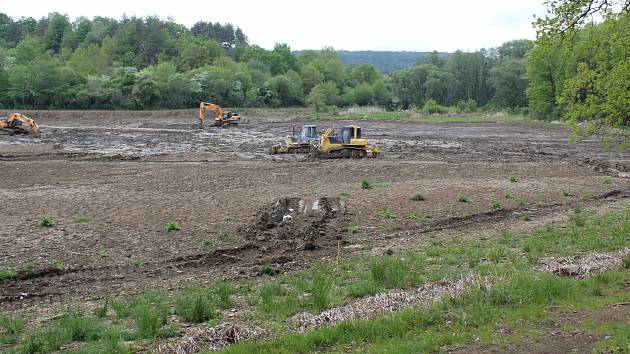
column 348, row 144
column 297, row 143
column 16, row 123
column 220, row 118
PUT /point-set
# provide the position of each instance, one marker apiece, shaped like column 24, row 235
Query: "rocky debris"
column 584, row 266
column 298, row 222
column 389, row 302
column 198, row 339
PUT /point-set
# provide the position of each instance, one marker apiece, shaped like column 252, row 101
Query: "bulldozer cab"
column 309, row 132
column 350, row 132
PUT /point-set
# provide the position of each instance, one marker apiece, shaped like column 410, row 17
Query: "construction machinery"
column 16, row 123
column 220, row 118
column 297, row 143
column 349, row 143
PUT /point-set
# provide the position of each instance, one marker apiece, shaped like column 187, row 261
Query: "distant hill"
column 384, row 61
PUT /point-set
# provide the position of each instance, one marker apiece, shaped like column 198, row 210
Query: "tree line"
column 581, row 72
column 138, row 63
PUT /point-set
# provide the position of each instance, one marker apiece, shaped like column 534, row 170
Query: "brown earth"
column 133, row 172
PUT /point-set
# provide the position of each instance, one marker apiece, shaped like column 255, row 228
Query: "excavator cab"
column 350, row 132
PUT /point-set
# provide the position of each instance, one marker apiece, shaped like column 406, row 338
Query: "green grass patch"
column 496, row 205
column 353, row 229
column 418, row 218
column 463, row 199
column 384, row 214
column 513, row 179
column 365, row 184
column 7, row 274
column 418, row 197
column 229, row 218
column 45, row 221
column 82, row 219
column 172, row 226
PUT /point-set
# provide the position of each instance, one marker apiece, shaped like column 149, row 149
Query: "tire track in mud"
column 241, row 261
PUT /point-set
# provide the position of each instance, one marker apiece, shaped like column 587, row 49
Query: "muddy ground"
column 132, row 172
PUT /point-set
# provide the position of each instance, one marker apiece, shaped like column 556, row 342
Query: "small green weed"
column 607, row 180
column 566, row 194
column 626, row 261
column 7, row 274
column 526, row 217
column 45, row 221
column 513, row 179
column 353, row 229
column 229, row 218
column 320, row 292
column 365, row 184
column 507, row 195
column 104, row 254
column 520, row 201
column 418, row 198
column 496, row 205
column 101, row 311
column 418, row 218
column 497, row 253
column 81, row 219
column 267, row 270
column 172, row 226
column 137, row 263
column 385, row 214
column 149, row 320
column 343, row 194
column 194, row 309
column 463, row 199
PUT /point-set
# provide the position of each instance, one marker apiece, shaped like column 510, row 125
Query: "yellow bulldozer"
column 220, row 118
column 17, row 123
column 349, row 143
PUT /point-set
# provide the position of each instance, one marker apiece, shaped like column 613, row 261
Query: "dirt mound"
column 299, row 222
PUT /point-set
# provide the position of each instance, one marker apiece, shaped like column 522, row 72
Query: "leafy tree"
column 57, row 27
column 508, row 79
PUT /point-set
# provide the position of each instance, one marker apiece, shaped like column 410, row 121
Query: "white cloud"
column 444, row 25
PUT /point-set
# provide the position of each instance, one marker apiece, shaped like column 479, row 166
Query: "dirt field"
column 132, row 172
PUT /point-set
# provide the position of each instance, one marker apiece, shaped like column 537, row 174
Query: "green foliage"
column 418, row 218
column 390, row 272
column 513, row 179
column 319, row 297
column 149, row 319
column 195, row 308
column 229, row 218
column 566, row 194
column 385, row 214
column 137, row 263
column 83, row 219
column 10, row 329
column 7, row 274
column 104, row 254
column 45, row 221
column 463, row 199
column 172, row 226
column 353, row 229
column 431, row 106
column 496, row 205
column 365, row 184
column 418, row 197
column 267, row 270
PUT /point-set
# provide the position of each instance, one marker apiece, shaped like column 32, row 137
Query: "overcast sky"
column 443, row 25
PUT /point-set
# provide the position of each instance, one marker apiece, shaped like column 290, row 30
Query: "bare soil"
column 132, row 172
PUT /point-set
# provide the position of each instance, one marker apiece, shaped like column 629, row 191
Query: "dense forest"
column 384, row 61
column 138, row 63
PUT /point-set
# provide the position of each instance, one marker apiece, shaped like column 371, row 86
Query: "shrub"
column 172, row 226
column 365, row 184
column 418, row 198
column 431, row 106
column 45, row 221
column 468, row 106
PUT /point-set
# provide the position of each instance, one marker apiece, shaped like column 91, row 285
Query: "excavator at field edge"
column 297, row 143
column 348, row 144
column 220, row 118
column 18, row 123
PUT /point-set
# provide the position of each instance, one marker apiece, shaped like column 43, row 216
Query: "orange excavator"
column 17, row 123
column 220, row 118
